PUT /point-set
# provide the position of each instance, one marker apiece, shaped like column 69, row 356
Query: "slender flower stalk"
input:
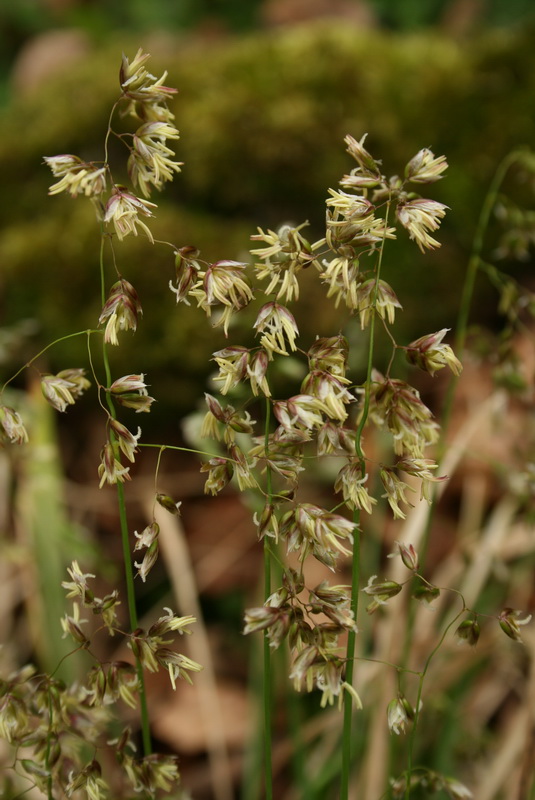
column 461, row 329
column 41, row 352
column 127, row 561
column 356, row 560
column 418, row 704
column 268, row 680
column 474, row 263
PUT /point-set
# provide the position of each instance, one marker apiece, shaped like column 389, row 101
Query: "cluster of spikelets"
column 150, row 164
column 56, row 721
column 144, row 98
column 346, row 260
column 360, row 218
column 39, row 713
column 355, row 231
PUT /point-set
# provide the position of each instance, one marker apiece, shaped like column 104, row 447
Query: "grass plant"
column 340, row 473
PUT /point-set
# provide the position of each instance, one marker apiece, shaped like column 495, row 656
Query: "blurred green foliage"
column 262, row 120
column 21, row 20
column 414, row 14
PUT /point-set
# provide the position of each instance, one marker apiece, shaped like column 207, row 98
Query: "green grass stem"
column 461, row 330
column 474, row 262
column 412, row 737
column 267, row 671
column 128, row 570
column 356, row 560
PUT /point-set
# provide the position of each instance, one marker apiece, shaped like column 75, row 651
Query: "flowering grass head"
column 278, row 328
column 325, row 418
column 419, row 217
column 121, row 311
column 12, row 428
column 76, row 176
column 431, row 354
